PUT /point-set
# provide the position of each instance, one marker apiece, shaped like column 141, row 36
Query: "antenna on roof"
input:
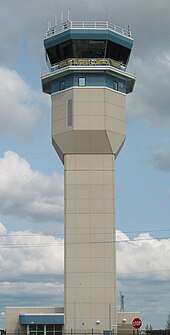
column 62, row 17
column 49, row 24
column 129, row 27
column 129, row 32
column 106, row 14
column 55, row 20
column 69, row 14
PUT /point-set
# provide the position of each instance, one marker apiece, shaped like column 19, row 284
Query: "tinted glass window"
column 82, row 81
column 115, row 85
column 62, row 85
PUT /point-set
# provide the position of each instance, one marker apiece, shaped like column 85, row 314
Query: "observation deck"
column 91, row 47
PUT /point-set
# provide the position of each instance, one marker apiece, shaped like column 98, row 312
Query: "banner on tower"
column 90, row 62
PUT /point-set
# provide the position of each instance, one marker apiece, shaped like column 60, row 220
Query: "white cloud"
column 28, row 193
column 31, row 267
column 143, row 257
column 2, row 229
column 25, row 256
column 36, row 255
column 20, row 106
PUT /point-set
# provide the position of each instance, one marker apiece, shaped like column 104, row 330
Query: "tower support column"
column 90, row 257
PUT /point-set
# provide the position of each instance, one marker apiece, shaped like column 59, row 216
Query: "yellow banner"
column 89, row 62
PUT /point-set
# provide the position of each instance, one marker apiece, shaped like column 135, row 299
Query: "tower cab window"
column 81, row 81
column 115, row 85
column 62, row 85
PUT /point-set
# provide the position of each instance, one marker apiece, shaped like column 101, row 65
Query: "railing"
column 87, row 25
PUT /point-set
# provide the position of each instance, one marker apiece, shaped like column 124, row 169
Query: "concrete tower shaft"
column 88, row 82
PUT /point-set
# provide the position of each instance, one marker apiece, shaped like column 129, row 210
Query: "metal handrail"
column 87, row 25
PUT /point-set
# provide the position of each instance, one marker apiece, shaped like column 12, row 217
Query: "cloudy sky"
column 31, row 175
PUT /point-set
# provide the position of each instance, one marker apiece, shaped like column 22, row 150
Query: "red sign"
column 136, row 323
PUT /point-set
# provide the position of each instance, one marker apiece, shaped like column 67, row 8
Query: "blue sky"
column 31, row 174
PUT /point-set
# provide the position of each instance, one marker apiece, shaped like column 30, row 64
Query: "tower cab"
column 76, row 49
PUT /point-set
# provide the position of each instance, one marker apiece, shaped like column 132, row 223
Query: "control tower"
column 88, row 82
